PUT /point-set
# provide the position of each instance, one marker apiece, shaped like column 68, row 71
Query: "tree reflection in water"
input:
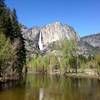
column 54, row 88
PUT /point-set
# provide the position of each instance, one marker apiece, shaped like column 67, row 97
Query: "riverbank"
column 81, row 73
column 4, row 80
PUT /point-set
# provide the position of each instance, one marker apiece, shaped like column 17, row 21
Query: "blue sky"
column 83, row 15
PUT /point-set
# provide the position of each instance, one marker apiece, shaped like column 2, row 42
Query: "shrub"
column 7, row 52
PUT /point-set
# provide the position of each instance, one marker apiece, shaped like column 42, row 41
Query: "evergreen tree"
column 10, row 27
column 21, row 52
column 2, row 4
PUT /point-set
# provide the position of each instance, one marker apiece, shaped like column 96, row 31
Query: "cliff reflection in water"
column 54, row 88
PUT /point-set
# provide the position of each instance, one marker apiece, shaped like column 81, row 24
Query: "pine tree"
column 2, row 4
column 21, row 52
column 10, row 27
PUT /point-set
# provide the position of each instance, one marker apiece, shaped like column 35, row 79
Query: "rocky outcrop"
column 89, row 45
column 57, row 31
column 38, row 38
column 85, row 49
column 31, row 37
column 93, row 40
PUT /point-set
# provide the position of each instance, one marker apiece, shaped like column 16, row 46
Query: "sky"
column 82, row 15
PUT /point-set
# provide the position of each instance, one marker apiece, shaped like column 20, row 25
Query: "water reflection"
column 54, row 88
column 41, row 94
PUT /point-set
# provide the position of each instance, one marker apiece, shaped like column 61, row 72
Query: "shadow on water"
column 11, row 84
column 38, row 87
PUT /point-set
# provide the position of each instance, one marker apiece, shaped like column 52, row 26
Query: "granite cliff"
column 93, row 40
column 39, row 38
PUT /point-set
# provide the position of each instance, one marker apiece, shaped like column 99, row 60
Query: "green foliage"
column 69, row 57
column 9, row 27
column 7, row 52
column 64, row 59
column 6, row 48
column 97, row 58
column 46, row 61
column 39, row 63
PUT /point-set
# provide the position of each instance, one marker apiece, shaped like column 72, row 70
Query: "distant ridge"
column 93, row 40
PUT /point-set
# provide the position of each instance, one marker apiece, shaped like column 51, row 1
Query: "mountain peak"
column 54, row 24
column 57, row 23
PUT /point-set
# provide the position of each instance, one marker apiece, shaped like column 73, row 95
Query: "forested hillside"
column 12, row 50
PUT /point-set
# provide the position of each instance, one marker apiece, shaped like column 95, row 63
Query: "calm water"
column 53, row 88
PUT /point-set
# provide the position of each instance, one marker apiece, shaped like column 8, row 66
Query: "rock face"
column 85, row 49
column 38, row 38
column 57, row 31
column 89, row 45
column 31, row 37
column 93, row 40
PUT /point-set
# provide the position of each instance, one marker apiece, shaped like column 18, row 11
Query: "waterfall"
column 40, row 42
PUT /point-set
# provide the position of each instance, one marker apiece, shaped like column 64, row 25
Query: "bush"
column 97, row 58
column 7, row 52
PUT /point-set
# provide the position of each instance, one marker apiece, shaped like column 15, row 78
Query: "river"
column 39, row 87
